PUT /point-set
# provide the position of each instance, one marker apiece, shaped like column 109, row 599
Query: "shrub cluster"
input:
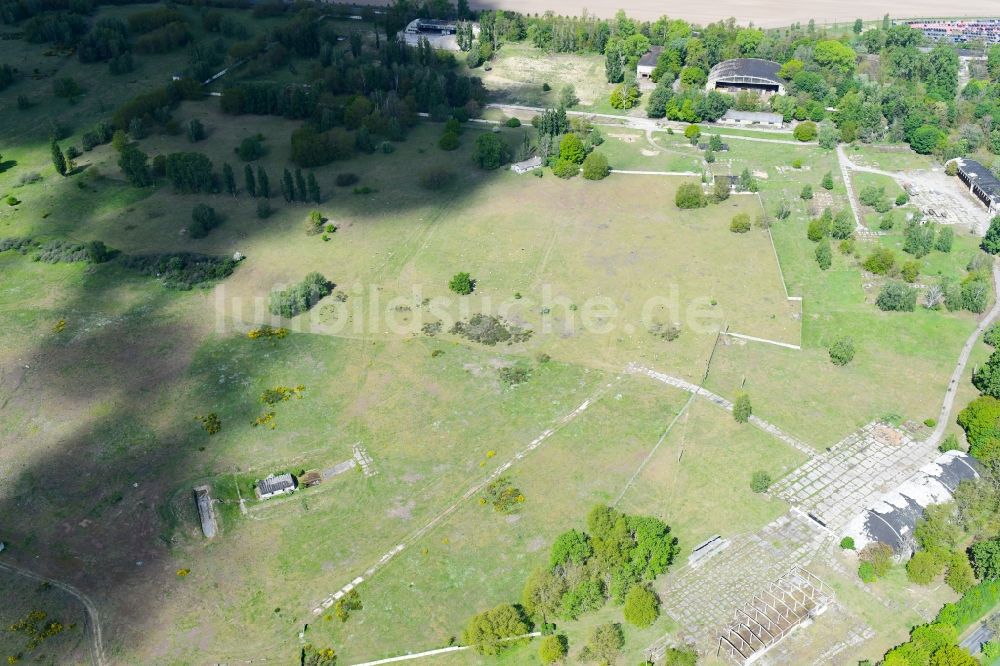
column 490, row 330
column 301, row 297
column 203, row 220
column 502, row 495
column 60, row 251
column 181, row 270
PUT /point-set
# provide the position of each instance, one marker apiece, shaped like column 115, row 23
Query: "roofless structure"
column 746, row 74
column 772, row 614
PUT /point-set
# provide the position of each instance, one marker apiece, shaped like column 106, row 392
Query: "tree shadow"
column 97, row 410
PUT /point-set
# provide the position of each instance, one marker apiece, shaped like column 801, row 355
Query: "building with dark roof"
column 275, row 485
column 433, row 26
column 647, row 63
column 981, row 183
column 206, row 511
column 892, row 519
column 746, row 74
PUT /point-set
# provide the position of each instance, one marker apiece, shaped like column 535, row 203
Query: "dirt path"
column 716, row 399
column 846, row 166
column 439, row 651
column 650, row 125
column 416, row 535
column 97, row 641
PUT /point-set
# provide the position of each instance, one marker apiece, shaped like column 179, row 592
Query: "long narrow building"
column 981, row 183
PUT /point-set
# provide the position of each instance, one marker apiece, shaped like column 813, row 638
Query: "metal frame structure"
column 772, row 614
column 735, row 74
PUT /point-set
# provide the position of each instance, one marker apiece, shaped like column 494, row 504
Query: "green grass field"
column 518, row 72
column 22, row 597
column 100, row 430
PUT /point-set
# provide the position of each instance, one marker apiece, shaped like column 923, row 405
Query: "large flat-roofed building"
column 432, row 26
column 893, row 517
column 206, row 511
column 764, row 118
column 751, row 74
column 981, row 183
column 439, row 33
column 647, row 63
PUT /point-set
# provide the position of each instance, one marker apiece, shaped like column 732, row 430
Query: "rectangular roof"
column 981, row 176
column 530, row 162
column 274, row 484
column 651, row 56
column 754, row 116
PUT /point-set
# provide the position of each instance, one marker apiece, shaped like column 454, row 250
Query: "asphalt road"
column 974, row 641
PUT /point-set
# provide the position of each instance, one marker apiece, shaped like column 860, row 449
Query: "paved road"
column 97, row 641
column 974, row 641
column 963, row 359
column 649, row 125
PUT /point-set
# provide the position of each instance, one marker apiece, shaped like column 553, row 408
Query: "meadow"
column 104, row 373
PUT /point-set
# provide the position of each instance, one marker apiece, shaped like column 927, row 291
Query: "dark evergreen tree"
column 313, row 186
column 58, row 159
column 229, row 179
column 263, row 184
column 287, row 187
column 132, row 162
column 300, row 186
column 190, row 172
column 248, row 179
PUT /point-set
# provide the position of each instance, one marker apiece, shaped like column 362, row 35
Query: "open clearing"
column 98, row 415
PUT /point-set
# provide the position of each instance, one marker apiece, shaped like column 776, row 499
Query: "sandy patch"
column 402, row 511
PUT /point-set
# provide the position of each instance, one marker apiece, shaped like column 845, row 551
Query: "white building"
column 744, row 118
column 527, row 165
column 893, row 517
column 272, row 486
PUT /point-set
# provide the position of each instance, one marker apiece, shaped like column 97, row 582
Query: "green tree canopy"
column 923, row 567
column 571, row 546
column 842, row 350
column 986, row 378
column 690, row 195
column 981, row 422
column 553, row 648
column 834, row 55
column 595, row 166
column 986, row 558
column 491, row 151
column 991, row 242
column 462, row 284
column 742, row 408
column 642, row 607
column 487, row 631
column 571, row 148
column 605, row 644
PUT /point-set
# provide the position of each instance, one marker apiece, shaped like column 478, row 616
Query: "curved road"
column 660, row 125
column 97, row 641
column 963, row 359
